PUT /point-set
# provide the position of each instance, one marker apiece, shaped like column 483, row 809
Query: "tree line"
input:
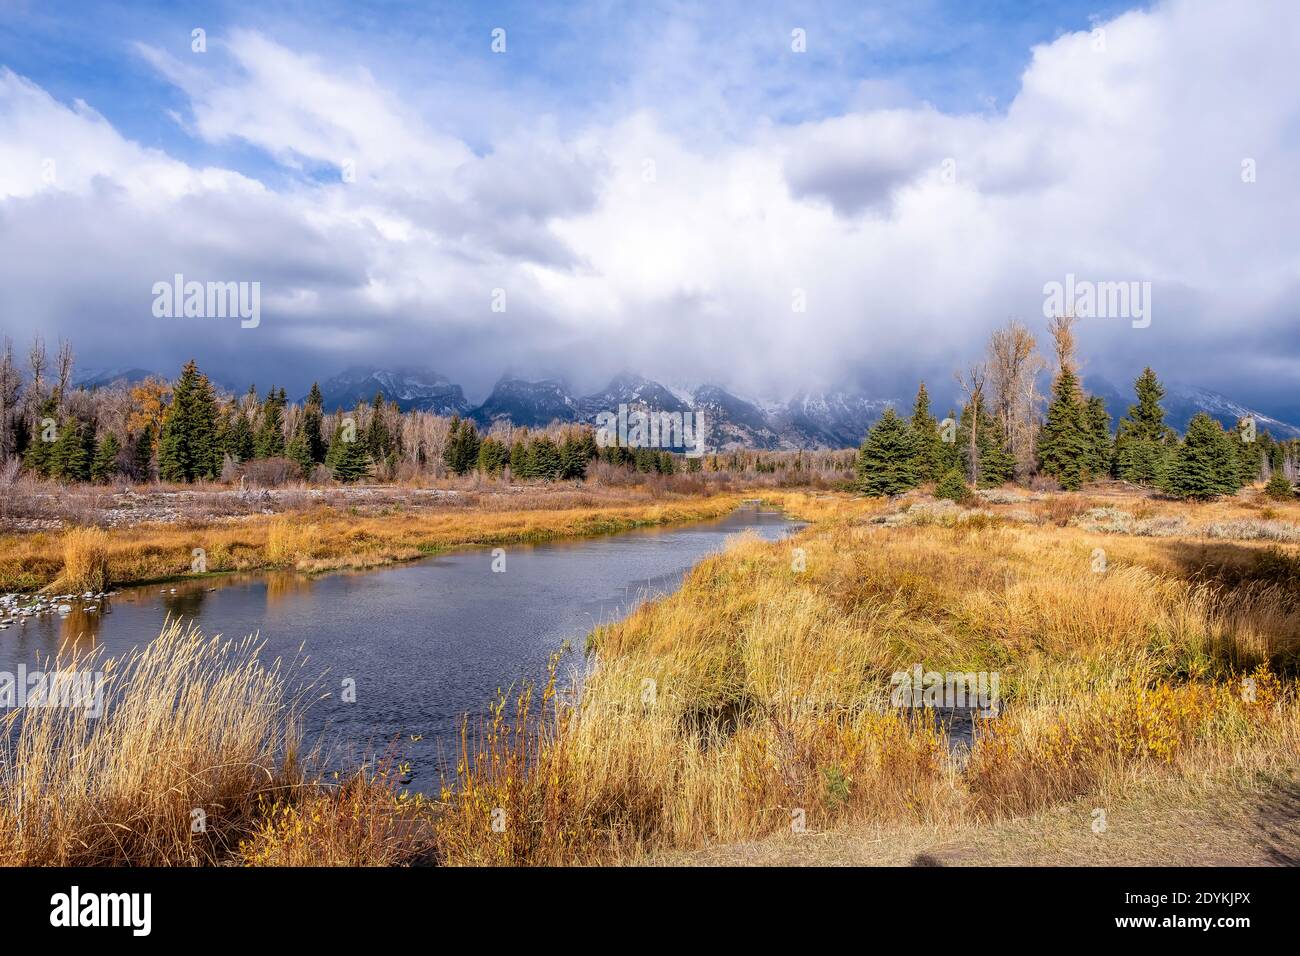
column 1000, row 434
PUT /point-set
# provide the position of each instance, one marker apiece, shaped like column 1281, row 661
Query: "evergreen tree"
column 269, row 440
column 1205, row 465
column 1064, row 441
column 544, row 459
column 519, row 459
column 573, row 459
column 187, row 447
column 1250, row 453
column 142, row 456
column 1144, row 442
column 492, row 457
column 952, row 485
column 460, row 453
column 70, row 458
column 41, row 446
column 1279, row 486
column 299, row 451
column 379, row 440
column 312, row 421
column 104, row 467
column 349, row 460
column 887, row 460
column 929, row 447
column 1100, row 451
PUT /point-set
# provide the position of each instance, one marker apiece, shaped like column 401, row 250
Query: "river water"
column 423, row 643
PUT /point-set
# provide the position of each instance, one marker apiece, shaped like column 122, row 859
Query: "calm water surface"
column 424, row 642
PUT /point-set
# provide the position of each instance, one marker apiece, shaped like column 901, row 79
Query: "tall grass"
column 85, row 561
column 194, row 733
column 753, row 701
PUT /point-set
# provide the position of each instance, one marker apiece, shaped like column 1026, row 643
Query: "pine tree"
column 492, row 457
column 142, row 456
column 269, row 440
column 1064, row 440
column 887, row 460
column 349, row 460
column 70, row 459
column 519, row 460
column 952, row 485
column 1205, row 464
column 1100, row 450
column 460, row 453
column 187, row 447
column 1144, row 442
column 1279, row 486
column 544, row 459
column 312, row 422
column 299, row 451
column 379, row 440
column 929, row 446
column 104, row 467
column 37, row 455
column 1250, row 453
column 573, row 459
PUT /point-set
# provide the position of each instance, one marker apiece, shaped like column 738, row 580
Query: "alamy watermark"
column 180, row 299
column 953, row 690
column 672, row 431
column 82, row 690
column 1085, row 299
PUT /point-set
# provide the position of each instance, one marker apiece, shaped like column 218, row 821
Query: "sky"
column 765, row 196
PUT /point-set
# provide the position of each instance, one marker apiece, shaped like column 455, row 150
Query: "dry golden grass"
column 192, row 730
column 85, row 561
column 315, row 540
column 751, row 703
column 756, row 696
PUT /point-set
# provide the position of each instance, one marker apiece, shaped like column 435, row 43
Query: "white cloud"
column 1122, row 163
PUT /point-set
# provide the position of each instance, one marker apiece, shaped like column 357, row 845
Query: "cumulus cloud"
column 630, row 240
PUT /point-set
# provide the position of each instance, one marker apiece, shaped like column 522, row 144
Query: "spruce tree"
column 519, row 460
column 1250, row 452
column 952, row 485
column 492, row 457
column 142, row 455
column 1064, row 441
column 187, row 447
column 349, row 460
column 70, row 459
column 312, row 420
column 1205, row 464
column 544, row 459
column 929, row 447
column 573, row 459
column 104, row 467
column 1279, row 486
column 269, row 440
column 1100, row 450
column 1144, row 442
column 887, row 460
column 39, row 449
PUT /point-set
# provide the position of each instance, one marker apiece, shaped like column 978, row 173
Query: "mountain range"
column 808, row 419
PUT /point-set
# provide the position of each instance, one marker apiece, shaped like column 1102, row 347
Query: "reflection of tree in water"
column 79, row 628
column 186, row 602
column 283, row 584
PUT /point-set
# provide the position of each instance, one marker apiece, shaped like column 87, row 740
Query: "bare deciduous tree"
column 971, row 381
column 1014, row 364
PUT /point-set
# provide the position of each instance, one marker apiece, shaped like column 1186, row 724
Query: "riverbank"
column 1147, row 656
column 317, row 537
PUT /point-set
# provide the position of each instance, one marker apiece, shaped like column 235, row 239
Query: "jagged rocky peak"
column 411, row 388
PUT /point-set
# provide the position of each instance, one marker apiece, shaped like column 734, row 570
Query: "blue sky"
column 653, row 186
column 565, row 59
